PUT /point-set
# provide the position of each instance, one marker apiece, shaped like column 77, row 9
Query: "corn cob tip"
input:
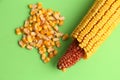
column 73, row 54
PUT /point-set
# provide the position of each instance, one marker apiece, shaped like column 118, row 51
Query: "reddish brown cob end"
column 73, row 54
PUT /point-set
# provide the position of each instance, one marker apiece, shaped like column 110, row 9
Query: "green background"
column 21, row 64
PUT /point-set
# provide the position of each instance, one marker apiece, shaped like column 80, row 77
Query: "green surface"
column 21, row 64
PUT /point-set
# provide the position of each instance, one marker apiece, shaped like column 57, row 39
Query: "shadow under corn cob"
column 96, row 26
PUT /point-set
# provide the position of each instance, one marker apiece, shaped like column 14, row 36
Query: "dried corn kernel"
column 29, row 47
column 30, row 6
column 58, row 43
column 18, row 31
column 39, row 5
column 43, row 56
column 29, row 38
column 55, row 52
column 51, row 55
column 46, row 60
column 61, row 23
column 65, row 37
column 22, row 44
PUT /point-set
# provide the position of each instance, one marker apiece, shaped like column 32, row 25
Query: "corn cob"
column 93, row 30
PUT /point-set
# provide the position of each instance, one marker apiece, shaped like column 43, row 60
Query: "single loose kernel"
column 29, row 47
column 57, row 15
column 55, row 52
column 50, row 49
column 64, row 69
column 39, row 5
column 62, row 18
column 46, row 60
column 58, row 43
column 22, row 44
column 29, row 38
column 30, row 6
column 61, row 22
column 65, row 37
column 43, row 56
column 18, row 31
column 51, row 55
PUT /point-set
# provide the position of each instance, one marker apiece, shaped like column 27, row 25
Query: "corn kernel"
column 43, row 56
column 47, row 59
column 30, row 6
column 24, row 39
column 61, row 23
column 18, row 31
column 22, row 44
column 32, row 12
column 50, row 49
column 51, row 55
column 29, row 38
column 29, row 47
column 39, row 5
column 56, row 15
column 65, row 37
column 55, row 52
column 50, row 11
column 58, row 43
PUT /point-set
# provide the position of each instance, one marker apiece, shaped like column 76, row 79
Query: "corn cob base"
column 72, row 55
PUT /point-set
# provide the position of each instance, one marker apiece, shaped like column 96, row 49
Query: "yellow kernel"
column 43, row 10
column 65, row 37
column 38, row 20
column 26, row 31
column 55, row 52
column 61, row 18
column 61, row 23
column 50, row 49
column 50, row 11
column 29, row 38
column 47, row 59
column 32, row 12
column 34, row 18
column 30, row 6
column 48, row 33
column 57, row 21
column 29, row 47
column 39, row 5
column 18, row 31
column 64, row 69
column 52, row 43
column 43, row 56
column 56, row 28
column 42, row 49
column 51, row 55
column 22, row 44
column 24, row 40
column 52, row 23
column 56, row 15
column 32, row 44
column 58, row 43
column 41, row 52
column 32, row 33
column 56, row 39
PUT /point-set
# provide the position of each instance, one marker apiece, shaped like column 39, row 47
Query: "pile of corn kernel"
column 41, row 31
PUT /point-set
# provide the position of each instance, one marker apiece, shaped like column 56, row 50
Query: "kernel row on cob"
column 93, row 30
